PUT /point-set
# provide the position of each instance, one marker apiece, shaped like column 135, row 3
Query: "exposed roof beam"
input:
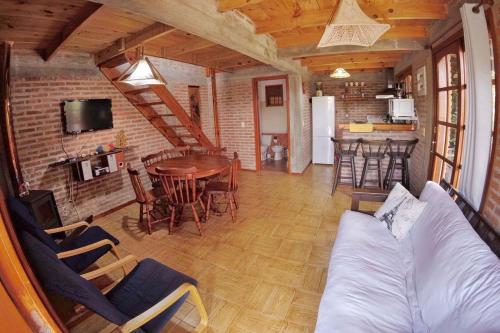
column 314, row 35
column 122, row 45
column 225, row 5
column 320, row 17
column 202, row 19
column 379, row 46
column 368, row 65
column 70, row 29
column 352, row 58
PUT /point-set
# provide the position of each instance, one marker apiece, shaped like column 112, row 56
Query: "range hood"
column 390, row 88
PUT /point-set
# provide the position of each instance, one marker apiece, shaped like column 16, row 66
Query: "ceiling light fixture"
column 350, row 26
column 340, row 73
column 142, row 72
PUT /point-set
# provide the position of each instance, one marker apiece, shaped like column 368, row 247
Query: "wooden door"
column 448, row 127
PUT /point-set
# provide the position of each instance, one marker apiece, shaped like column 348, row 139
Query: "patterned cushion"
column 400, row 211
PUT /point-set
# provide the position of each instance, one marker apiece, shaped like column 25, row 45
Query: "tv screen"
column 87, row 115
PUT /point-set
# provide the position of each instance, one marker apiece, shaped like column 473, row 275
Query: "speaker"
column 83, row 170
column 112, row 165
column 120, row 160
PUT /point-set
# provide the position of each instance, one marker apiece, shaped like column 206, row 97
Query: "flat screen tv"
column 85, row 115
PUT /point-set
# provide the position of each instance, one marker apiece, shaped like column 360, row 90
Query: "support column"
column 211, row 72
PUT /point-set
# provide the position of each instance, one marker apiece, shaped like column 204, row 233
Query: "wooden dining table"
column 206, row 165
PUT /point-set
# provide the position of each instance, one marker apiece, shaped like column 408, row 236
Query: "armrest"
column 359, row 196
column 109, row 268
column 67, row 227
column 164, row 304
column 87, row 248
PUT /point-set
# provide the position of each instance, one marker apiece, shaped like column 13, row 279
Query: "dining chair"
column 399, row 154
column 345, row 151
column 152, row 159
column 227, row 188
column 213, row 151
column 83, row 247
column 181, row 188
column 144, row 300
column 150, row 204
column 373, row 152
column 181, row 151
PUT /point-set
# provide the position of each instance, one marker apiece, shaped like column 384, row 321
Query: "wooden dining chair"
column 181, row 151
column 152, row 159
column 181, row 189
column 213, row 151
column 227, row 188
column 150, row 204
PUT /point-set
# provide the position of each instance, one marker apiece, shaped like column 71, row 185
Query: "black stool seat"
column 399, row 153
column 373, row 151
column 345, row 152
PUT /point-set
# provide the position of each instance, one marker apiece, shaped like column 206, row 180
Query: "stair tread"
column 137, row 91
column 150, row 103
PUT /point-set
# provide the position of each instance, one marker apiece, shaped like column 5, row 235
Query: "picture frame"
column 421, row 81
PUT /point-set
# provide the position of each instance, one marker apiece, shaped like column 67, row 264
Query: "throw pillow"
column 400, row 211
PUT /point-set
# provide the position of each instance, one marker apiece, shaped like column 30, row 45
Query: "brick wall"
column 492, row 200
column 37, row 90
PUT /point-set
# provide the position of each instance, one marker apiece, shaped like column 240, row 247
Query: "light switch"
column 242, row 124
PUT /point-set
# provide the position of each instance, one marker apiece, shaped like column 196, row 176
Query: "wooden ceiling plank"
column 370, row 65
column 315, row 62
column 70, row 29
column 225, row 5
column 122, row 45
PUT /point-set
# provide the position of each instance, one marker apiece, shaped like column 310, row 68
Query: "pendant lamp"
column 141, row 73
column 340, row 73
column 350, row 26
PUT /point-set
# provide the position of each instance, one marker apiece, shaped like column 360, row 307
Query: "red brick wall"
column 37, row 90
column 492, row 200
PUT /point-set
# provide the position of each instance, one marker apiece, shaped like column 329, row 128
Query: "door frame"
column 460, row 127
column 256, row 117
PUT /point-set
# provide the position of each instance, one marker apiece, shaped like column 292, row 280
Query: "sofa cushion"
column 456, row 275
column 400, row 211
column 365, row 290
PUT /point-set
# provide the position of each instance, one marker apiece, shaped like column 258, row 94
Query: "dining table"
column 206, row 165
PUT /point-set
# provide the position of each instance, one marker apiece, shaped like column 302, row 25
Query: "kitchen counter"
column 385, row 127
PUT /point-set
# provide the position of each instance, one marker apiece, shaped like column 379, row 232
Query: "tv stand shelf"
column 88, row 157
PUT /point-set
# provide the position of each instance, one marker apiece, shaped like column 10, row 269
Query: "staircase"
column 157, row 105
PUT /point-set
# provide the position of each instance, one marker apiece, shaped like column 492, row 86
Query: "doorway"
column 271, row 106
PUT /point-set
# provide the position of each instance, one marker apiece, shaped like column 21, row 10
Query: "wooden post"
column 211, row 73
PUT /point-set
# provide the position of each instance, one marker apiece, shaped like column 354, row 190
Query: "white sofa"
column 441, row 278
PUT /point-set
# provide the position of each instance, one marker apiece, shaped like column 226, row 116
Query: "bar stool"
column 345, row 151
column 373, row 151
column 399, row 153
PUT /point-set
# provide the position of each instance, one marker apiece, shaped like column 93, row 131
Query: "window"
column 450, row 112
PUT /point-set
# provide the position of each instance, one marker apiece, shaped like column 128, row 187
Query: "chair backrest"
column 179, row 184
column 153, row 158
column 56, row 277
column 374, row 146
column 24, row 221
column 140, row 192
column 402, row 146
column 346, row 146
column 178, row 151
column 233, row 173
column 213, row 151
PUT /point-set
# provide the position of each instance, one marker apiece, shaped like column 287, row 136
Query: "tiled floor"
column 264, row 273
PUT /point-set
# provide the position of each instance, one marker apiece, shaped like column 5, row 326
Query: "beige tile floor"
column 264, row 273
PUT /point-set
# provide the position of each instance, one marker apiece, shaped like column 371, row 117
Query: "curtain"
column 478, row 122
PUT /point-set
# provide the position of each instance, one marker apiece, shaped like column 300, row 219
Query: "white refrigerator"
column 323, row 120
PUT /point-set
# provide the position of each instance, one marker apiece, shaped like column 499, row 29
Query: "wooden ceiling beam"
column 313, row 36
column 123, row 45
column 352, row 58
column 225, row 5
column 368, row 65
column 320, row 17
column 70, row 29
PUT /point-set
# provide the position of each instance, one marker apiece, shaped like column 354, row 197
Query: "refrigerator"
column 323, row 121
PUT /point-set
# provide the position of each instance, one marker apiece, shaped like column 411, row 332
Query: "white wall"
column 272, row 119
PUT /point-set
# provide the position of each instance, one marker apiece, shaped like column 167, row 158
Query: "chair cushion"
column 23, row 220
column 91, row 235
column 147, row 284
column 56, row 277
column 366, row 288
column 457, row 276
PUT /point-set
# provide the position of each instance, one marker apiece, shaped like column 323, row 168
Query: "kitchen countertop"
column 386, row 127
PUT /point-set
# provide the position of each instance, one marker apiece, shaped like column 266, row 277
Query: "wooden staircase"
column 157, row 105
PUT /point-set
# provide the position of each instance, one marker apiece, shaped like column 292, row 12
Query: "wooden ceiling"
column 78, row 25
column 301, row 23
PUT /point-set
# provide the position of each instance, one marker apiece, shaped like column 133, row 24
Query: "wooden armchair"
column 146, row 298
column 79, row 251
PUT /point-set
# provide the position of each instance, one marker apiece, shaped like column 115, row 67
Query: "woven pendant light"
column 350, row 26
column 141, row 73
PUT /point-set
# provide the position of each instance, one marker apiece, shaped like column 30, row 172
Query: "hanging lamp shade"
column 141, row 73
column 350, row 26
column 340, row 73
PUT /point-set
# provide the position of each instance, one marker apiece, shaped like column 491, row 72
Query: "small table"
column 207, row 165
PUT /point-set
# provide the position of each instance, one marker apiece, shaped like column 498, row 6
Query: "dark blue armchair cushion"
column 147, row 284
column 23, row 220
column 60, row 279
column 91, row 235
